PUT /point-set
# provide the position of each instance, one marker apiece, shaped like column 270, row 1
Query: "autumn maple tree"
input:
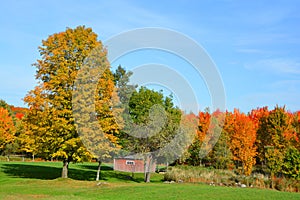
column 7, row 129
column 50, row 120
column 242, row 130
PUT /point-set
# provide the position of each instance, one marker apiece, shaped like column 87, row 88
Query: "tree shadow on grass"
column 78, row 172
column 31, row 171
column 95, row 167
column 44, row 172
column 122, row 176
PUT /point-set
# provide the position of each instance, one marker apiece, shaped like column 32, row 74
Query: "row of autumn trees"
column 266, row 138
column 48, row 130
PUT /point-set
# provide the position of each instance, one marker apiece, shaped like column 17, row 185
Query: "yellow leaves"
column 60, row 155
column 50, row 120
column 106, row 99
column 49, row 127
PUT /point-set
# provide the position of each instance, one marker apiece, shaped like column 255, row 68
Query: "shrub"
column 197, row 174
column 193, row 174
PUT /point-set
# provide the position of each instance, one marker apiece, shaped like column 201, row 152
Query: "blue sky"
column 255, row 45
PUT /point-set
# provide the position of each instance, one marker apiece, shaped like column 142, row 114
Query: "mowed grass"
column 40, row 180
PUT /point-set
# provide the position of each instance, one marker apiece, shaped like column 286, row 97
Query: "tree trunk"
column 33, row 157
column 243, row 168
column 147, row 168
column 147, row 178
column 98, row 170
column 64, row 173
column 272, row 180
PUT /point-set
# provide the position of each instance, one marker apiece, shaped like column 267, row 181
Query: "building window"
column 130, row 162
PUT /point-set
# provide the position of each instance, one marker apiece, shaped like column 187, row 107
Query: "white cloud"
column 118, row 16
column 278, row 66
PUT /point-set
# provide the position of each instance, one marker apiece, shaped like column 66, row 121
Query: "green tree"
column 124, row 92
column 194, row 157
column 124, row 89
column 154, row 123
column 274, row 138
column 221, row 155
column 291, row 163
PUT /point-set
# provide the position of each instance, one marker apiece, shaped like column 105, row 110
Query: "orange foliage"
column 19, row 115
column 7, row 128
column 242, row 130
column 257, row 114
column 290, row 133
column 203, row 126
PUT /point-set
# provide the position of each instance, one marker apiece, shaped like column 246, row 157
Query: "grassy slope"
column 40, row 181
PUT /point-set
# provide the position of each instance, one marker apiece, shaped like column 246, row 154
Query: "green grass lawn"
column 40, row 180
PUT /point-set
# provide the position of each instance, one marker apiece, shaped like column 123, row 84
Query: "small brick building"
column 131, row 164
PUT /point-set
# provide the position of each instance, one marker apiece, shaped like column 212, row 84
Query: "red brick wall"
column 120, row 165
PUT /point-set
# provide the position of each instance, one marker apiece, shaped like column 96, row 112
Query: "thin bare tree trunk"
column 167, row 167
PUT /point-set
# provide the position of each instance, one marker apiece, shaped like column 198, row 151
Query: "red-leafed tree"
column 18, row 112
column 7, row 129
